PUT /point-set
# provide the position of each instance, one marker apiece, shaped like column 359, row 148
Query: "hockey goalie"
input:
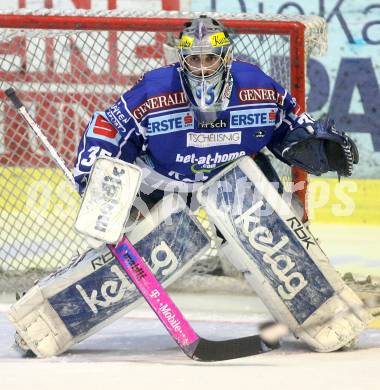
column 196, row 128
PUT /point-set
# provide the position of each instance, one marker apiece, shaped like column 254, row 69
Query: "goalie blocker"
column 107, row 200
column 280, row 258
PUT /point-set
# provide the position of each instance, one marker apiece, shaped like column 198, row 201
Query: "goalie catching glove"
column 318, row 148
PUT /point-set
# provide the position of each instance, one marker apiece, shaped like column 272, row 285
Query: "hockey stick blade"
column 212, row 351
column 190, row 343
column 268, row 340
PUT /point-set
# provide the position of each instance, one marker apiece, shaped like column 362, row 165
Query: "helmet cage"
column 205, row 55
column 203, row 65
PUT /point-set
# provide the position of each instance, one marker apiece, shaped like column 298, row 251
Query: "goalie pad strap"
column 40, row 326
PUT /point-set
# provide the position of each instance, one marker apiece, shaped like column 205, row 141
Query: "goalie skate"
column 22, row 347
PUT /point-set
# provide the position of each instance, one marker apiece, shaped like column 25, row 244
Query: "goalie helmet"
column 205, row 56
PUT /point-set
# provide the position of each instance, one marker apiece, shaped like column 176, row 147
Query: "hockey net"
column 65, row 66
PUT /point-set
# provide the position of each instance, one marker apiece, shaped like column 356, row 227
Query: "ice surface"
column 136, row 352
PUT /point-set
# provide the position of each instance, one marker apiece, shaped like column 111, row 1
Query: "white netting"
column 62, row 76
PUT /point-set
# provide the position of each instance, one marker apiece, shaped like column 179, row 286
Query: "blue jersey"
column 153, row 125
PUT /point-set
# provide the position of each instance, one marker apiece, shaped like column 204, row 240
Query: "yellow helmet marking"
column 219, row 39
column 186, row 42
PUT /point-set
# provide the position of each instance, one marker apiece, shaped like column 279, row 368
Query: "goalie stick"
column 188, row 340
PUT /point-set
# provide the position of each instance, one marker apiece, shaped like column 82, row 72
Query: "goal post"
column 66, row 65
